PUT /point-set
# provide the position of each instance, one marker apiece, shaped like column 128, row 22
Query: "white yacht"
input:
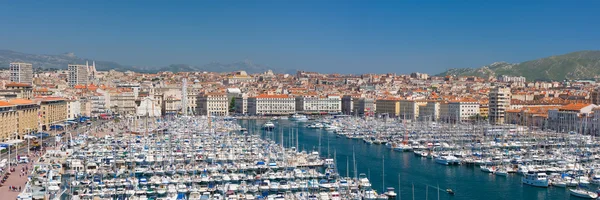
column 268, row 126
column 535, row 179
column 298, row 117
column 581, row 193
column 447, row 160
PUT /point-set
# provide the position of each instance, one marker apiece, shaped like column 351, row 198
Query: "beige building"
column 53, row 111
column 123, row 103
column 215, row 104
column 389, row 106
column 27, row 116
column 21, row 73
column 21, row 90
column 8, row 121
column 499, row 102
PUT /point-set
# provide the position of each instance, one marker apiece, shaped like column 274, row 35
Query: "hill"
column 61, row 62
column 576, row 65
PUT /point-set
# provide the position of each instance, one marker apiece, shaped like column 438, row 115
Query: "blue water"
column 467, row 182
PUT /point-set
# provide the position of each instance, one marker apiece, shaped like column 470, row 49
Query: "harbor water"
column 418, row 177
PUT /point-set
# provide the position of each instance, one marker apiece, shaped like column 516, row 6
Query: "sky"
column 327, row 36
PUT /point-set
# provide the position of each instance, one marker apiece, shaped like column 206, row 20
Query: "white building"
column 215, row 104
column 148, row 108
column 462, row 110
column 21, row 73
column 98, row 105
column 73, row 109
column 319, row 104
column 265, row 104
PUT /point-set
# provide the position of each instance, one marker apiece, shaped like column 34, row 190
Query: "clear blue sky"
column 328, row 36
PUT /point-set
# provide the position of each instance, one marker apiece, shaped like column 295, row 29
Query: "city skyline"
column 358, row 37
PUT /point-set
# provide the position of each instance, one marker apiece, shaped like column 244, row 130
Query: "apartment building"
column 21, row 72
column 409, row 109
column 499, row 102
column 241, row 104
column 356, row 105
column 572, row 117
column 53, row 111
column 78, row 75
column 265, row 104
column 73, row 109
column 8, row 121
column 27, row 116
column 98, row 105
column 213, row 104
column 430, row 111
column 389, row 107
column 20, row 90
column 123, row 103
column 315, row 104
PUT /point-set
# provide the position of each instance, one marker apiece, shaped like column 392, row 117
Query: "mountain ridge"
column 47, row 61
column 574, row 65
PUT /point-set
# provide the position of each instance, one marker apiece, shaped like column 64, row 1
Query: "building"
column 19, row 90
column 409, row 109
column 484, row 110
column 171, row 105
column 27, row 116
column 356, row 105
column 462, row 110
column 148, row 108
column 8, row 121
column 123, row 103
column 98, row 105
column 53, row 111
column 241, row 104
column 511, row 79
column 572, row 117
column 430, row 111
column 73, row 109
column 21, row 73
column 213, row 104
column 78, row 75
column 314, row 104
column 265, row 104
column 499, row 102
column 595, row 96
column 389, row 107
column 238, row 77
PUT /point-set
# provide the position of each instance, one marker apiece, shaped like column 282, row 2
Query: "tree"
column 232, row 105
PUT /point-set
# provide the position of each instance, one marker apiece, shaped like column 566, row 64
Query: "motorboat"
column 535, row 179
column 581, row 193
column 269, row 126
column 298, row 117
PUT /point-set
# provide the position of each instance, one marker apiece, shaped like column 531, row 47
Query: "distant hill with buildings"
column 61, row 62
column 55, row 61
column 576, row 65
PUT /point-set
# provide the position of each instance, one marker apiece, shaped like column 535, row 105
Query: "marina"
column 481, row 164
column 323, row 158
column 188, row 158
